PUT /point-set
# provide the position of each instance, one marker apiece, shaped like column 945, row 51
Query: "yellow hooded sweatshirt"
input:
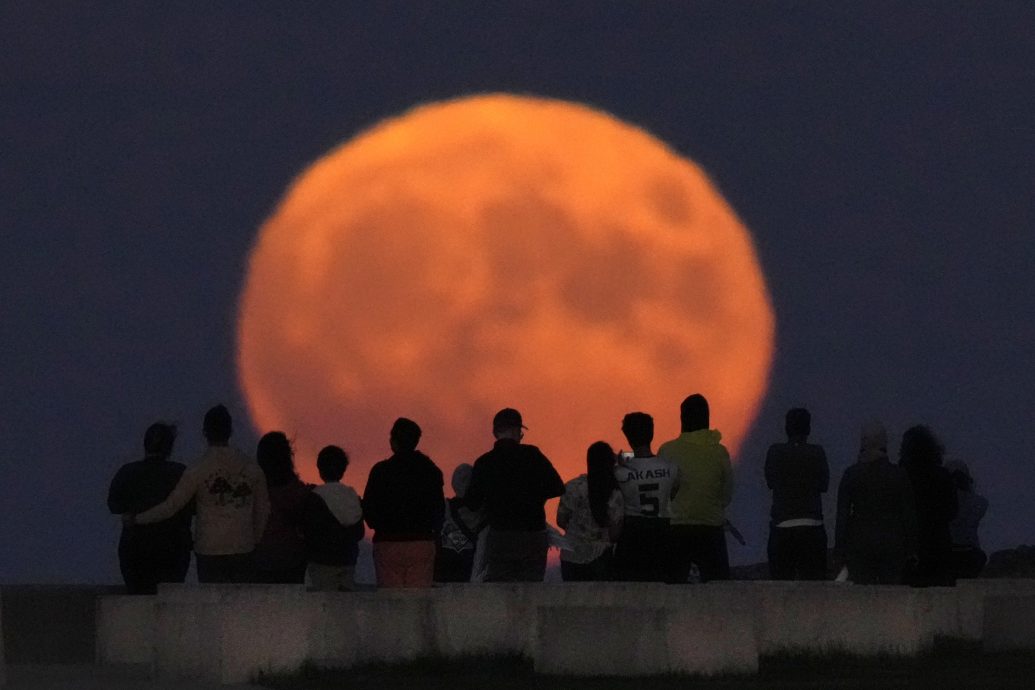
column 705, row 477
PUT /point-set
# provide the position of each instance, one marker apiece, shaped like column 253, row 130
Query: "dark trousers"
column 143, row 567
column 640, row 551
column 798, row 553
column 236, row 568
column 598, row 570
column 968, row 562
column 876, row 569
column 515, row 556
column 291, row 575
column 700, row 545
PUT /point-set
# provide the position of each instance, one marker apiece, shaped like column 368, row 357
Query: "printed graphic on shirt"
column 229, row 493
column 646, row 485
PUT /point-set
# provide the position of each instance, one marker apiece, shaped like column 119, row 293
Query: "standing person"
column 280, row 554
column 934, row 495
column 706, row 489
column 149, row 554
column 511, row 484
column 332, row 524
column 454, row 554
column 967, row 556
column 647, row 483
column 590, row 513
column 875, row 533
column 229, row 492
column 403, row 504
column 798, row 475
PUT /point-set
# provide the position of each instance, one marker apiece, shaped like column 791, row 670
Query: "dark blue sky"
column 883, row 156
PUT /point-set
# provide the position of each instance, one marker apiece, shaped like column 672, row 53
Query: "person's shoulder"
column 670, row 446
column 576, row 483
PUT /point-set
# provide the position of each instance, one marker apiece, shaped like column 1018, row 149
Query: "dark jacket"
column 141, row 485
column 510, row 484
column 876, row 517
column 798, row 475
column 327, row 541
column 281, row 546
column 403, row 500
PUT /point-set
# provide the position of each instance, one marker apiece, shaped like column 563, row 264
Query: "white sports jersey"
column 646, row 485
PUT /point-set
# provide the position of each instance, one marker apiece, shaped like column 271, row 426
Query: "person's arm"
column 371, row 503
column 180, row 497
column 844, row 513
column 770, row 468
column 553, row 485
column 437, row 498
column 260, row 503
column 563, row 512
column 118, row 499
column 907, row 508
column 616, row 515
column 726, row 479
column 824, row 471
column 475, row 496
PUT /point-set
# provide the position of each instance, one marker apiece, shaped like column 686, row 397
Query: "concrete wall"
column 1009, row 622
column 226, row 633
column 3, row 662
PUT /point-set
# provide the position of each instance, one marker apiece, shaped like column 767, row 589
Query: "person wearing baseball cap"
column 511, row 484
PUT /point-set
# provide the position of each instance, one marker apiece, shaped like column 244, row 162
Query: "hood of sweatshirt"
column 342, row 501
column 703, row 437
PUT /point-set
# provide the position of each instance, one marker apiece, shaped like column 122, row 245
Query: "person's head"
column 873, row 442
column 798, row 423
column 638, row 428
column 461, row 479
column 693, row 413
column 159, row 439
column 960, row 474
column 600, row 477
column 920, row 449
column 218, row 426
column 508, row 424
column 405, row 436
column 331, row 463
column 276, row 458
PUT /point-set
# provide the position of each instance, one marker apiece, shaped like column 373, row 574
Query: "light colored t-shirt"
column 647, row 485
column 586, row 539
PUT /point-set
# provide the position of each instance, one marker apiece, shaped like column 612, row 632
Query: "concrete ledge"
column 227, row 633
column 3, row 661
column 971, row 596
column 829, row 616
column 1009, row 622
column 126, row 630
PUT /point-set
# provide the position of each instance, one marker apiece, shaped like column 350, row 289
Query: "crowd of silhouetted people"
column 638, row 515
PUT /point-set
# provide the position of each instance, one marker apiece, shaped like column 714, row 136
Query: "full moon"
column 500, row 251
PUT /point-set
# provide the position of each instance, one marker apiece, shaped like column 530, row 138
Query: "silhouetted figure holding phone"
column 231, row 503
column 876, row 531
column 798, row 475
column 149, row 554
column 705, row 491
column 934, row 495
column 647, row 483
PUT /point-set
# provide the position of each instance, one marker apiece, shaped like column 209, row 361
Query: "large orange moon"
column 500, row 251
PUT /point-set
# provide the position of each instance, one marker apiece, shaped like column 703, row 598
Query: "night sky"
column 883, row 156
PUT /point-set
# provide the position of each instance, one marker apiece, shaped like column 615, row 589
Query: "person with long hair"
column 934, row 495
column 590, row 513
column 280, row 554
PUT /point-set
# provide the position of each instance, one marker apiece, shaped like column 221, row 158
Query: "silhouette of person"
column 231, row 503
column 403, row 504
column 647, row 483
column 280, row 554
column 454, row 556
column 934, row 495
column 332, row 525
column 705, row 491
column 511, row 484
column 967, row 556
column 798, row 475
column 875, row 533
column 591, row 512
column 149, row 554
